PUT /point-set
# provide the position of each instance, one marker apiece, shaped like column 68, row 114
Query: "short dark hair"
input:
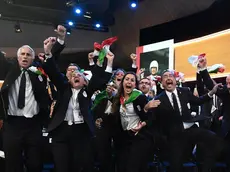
column 164, row 71
column 74, row 64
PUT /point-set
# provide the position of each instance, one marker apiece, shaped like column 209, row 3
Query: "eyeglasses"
column 120, row 73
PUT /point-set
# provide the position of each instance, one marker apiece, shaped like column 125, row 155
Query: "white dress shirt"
column 108, row 108
column 129, row 118
column 73, row 114
column 169, row 94
column 31, row 106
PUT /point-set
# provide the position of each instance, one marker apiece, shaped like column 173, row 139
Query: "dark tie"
column 175, row 104
column 22, row 91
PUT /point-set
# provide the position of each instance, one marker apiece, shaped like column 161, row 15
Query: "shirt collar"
column 169, row 94
column 75, row 91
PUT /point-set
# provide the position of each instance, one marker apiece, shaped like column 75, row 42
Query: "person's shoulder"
column 159, row 96
column 183, row 89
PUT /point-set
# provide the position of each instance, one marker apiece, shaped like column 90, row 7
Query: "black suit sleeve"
column 57, row 49
column 197, row 100
column 5, row 65
column 207, row 79
column 139, row 105
column 56, row 77
column 132, row 69
column 200, row 84
column 91, row 67
column 99, row 79
column 209, row 83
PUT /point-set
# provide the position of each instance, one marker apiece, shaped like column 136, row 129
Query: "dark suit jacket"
column 102, row 77
column 65, row 93
column 99, row 110
column 57, row 49
column 222, row 93
column 39, row 89
column 168, row 121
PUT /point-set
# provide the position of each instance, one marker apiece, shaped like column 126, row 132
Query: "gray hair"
column 26, row 46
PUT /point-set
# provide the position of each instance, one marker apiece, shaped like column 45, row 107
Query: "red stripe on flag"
column 139, row 50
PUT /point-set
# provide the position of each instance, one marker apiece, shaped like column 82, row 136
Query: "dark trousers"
column 180, row 144
column 72, row 148
column 225, row 127
column 22, row 138
column 106, row 144
column 134, row 153
column 2, row 161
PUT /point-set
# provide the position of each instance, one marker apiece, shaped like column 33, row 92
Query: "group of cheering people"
column 112, row 113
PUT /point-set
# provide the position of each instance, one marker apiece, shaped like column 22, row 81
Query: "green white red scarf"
column 37, row 70
column 102, row 95
column 216, row 68
column 102, row 49
column 133, row 96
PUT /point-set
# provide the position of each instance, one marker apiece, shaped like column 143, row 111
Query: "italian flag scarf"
column 216, row 68
column 133, row 96
column 102, row 95
column 101, row 56
column 102, row 49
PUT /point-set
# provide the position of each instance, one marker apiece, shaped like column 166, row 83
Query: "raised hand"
column 140, row 73
column 133, row 57
column 142, row 70
column 48, row 44
column 61, row 32
column 110, row 56
column 214, row 89
column 90, row 57
column 41, row 56
column 202, row 63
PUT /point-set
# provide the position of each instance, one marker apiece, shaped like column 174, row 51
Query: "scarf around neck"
column 133, row 96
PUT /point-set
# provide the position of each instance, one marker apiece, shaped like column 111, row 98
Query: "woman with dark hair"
column 131, row 109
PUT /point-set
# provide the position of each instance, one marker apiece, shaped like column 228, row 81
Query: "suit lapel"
column 167, row 101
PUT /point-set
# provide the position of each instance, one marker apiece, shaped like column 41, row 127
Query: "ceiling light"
column 133, row 3
column 78, row 10
column 17, row 28
column 68, row 31
column 98, row 25
column 70, row 23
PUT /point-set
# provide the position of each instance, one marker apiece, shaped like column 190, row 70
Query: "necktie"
column 175, row 104
column 22, row 91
